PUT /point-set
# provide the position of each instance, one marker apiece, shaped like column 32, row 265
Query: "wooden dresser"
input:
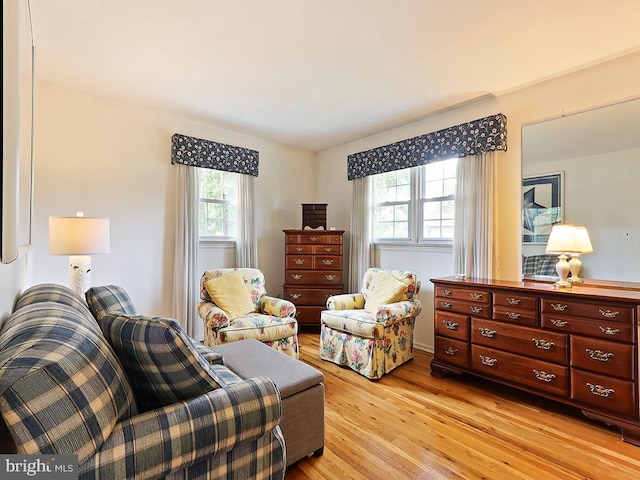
column 313, row 271
column 576, row 345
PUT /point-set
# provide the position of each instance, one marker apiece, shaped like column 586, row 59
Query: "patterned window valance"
column 218, row 156
column 482, row 135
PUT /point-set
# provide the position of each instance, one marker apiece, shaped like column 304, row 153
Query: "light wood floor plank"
column 410, row 425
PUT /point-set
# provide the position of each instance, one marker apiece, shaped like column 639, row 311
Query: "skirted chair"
column 235, row 306
column 372, row 331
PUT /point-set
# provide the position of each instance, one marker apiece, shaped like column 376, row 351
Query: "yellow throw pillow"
column 383, row 289
column 229, row 292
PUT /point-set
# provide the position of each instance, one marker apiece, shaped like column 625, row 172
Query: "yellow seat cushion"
column 230, row 293
column 383, row 289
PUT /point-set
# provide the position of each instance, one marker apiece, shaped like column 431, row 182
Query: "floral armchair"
column 372, row 331
column 267, row 319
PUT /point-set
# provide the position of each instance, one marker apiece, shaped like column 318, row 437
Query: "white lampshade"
column 583, row 243
column 78, row 235
column 562, row 239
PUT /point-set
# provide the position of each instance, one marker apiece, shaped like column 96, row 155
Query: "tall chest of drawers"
column 578, row 346
column 313, row 271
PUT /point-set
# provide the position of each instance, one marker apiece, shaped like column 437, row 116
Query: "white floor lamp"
column 79, row 237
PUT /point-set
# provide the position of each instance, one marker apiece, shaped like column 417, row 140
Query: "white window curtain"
column 360, row 249
column 186, row 278
column 246, row 238
column 474, row 238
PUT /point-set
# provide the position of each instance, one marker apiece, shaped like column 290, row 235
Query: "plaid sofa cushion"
column 109, row 299
column 52, row 292
column 539, row 265
column 62, row 389
column 163, row 363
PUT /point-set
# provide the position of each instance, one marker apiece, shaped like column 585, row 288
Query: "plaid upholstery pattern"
column 52, row 292
column 539, row 265
column 161, row 360
column 109, row 299
column 62, row 390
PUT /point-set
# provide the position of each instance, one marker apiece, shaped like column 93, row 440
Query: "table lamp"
column 583, row 245
column 562, row 240
column 79, row 237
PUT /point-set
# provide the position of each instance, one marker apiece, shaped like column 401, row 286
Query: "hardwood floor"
column 410, row 425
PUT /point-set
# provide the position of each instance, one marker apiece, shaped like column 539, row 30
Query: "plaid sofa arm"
column 399, row 310
column 277, row 307
column 169, row 439
column 346, row 301
column 214, row 317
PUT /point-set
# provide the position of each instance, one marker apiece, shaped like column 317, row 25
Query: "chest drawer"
column 466, row 308
column 452, row 325
column 309, row 296
column 452, row 351
column 595, row 311
column 516, row 300
column 604, row 393
column 308, row 277
column 296, row 249
column 537, row 374
column 515, row 315
column 609, row 358
column 467, row 295
column 532, row 342
column 327, row 249
column 604, row 329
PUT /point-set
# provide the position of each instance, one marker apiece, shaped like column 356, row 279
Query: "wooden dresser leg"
column 630, row 432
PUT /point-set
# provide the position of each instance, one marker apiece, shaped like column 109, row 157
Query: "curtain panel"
column 478, row 136
column 196, row 152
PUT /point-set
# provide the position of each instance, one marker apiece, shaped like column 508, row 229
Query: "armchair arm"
column 277, row 307
column 346, row 301
column 168, row 439
column 214, row 317
column 398, row 311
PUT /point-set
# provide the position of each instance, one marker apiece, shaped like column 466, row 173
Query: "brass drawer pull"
column 475, row 309
column 446, row 304
column 330, row 277
column 599, row 355
column 513, row 301
column 600, row 391
column 296, row 276
column 299, row 249
column 313, row 239
column 543, row 344
column 609, row 313
column 559, row 307
column 488, row 361
column 450, row 351
column 609, row 330
column 295, row 296
column 327, row 262
column 486, row 332
column 328, row 249
column 544, row 376
column 559, row 323
column 476, row 296
column 446, row 293
column 299, row 261
column 513, row 316
column 450, row 325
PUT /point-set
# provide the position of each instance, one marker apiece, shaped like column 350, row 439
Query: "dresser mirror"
column 585, row 170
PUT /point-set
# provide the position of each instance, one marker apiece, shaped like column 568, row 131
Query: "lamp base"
column 80, row 273
column 575, row 265
column 562, row 267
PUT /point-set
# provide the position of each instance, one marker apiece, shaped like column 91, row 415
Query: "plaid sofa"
column 540, row 265
column 125, row 410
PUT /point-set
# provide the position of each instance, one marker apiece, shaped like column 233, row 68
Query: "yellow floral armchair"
column 269, row 320
column 372, row 331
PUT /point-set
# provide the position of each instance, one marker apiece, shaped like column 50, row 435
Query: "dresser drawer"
column 589, row 310
column 296, row 249
column 532, row 342
column 516, row 300
column 604, row 329
column 309, row 315
column 309, row 296
column 452, row 351
column 326, row 262
column 452, row 325
column 515, row 315
column 480, row 296
column 327, row 249
column 603, row 392
column 544, row 376
column 458, row 306
column 308, row 277
column 609, row 358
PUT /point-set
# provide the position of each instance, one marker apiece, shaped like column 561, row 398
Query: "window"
column 218, row 203
column 415, row 204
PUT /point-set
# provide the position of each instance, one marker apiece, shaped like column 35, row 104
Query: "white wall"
column 111, row 159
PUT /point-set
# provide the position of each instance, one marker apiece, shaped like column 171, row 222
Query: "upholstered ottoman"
column 301, row 389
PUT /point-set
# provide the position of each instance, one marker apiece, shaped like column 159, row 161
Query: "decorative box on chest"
column 578, row 346
column 313, row 271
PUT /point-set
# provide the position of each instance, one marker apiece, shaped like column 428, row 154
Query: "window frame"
column 216, row 238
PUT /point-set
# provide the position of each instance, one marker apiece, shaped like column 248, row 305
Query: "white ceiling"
column 319, row 73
